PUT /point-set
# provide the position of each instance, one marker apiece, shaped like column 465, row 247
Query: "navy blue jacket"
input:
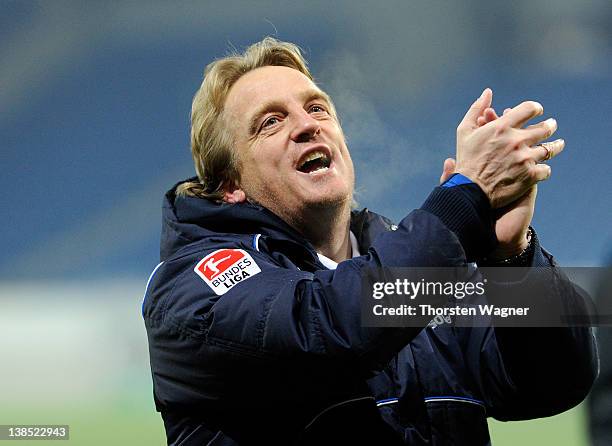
column 270, row 349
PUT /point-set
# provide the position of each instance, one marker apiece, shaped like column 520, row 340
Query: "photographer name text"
column 429, row 310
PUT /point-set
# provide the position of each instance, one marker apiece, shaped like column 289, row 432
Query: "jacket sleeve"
column 532, row 372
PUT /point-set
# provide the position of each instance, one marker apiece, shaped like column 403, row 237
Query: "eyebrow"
column 304, row 96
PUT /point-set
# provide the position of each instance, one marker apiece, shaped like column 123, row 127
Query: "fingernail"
column 483, row 93
column 540, row 108
column 551, row 122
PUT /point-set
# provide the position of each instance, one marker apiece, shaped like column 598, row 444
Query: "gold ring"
column 549, row 152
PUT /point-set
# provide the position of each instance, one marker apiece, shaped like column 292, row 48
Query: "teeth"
column 319, row 170
column 313, row 156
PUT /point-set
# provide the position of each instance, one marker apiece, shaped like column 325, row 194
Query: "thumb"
column 447, row 170
column 477, row 108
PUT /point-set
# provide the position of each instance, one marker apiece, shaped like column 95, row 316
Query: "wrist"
column 465, row 210
column 473, row 176
column 507, row 253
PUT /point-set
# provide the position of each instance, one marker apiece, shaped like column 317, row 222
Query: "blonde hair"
column 216, row 163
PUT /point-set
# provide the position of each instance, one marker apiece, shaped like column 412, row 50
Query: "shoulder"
column 197, row 272
column 184, row 288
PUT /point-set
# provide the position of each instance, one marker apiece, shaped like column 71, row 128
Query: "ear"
column 233, row 194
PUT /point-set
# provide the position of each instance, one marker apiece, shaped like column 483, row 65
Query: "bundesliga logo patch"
column 225, row 268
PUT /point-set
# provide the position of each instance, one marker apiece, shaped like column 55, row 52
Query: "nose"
column 306, row 127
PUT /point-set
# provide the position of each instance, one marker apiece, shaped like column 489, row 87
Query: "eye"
column 270, row 121
column 317, row 109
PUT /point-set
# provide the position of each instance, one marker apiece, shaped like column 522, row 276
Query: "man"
column 253, row 316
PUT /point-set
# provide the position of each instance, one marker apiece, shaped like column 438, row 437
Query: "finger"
column 471, row 117
column 450, row 165
column 537, row 132
column 447, row 170
column 548, row 150
column 490, row 114
column 506, row 111
column 519, row 115
column 542, row 172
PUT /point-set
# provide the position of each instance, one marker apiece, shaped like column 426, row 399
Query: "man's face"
column 293, row 156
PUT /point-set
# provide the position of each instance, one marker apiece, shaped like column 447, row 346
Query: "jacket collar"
column 186, row 220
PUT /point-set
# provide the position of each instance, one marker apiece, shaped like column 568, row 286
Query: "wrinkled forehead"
column 270, row 85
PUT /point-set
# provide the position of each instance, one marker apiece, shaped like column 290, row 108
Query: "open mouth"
column 314, row 162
